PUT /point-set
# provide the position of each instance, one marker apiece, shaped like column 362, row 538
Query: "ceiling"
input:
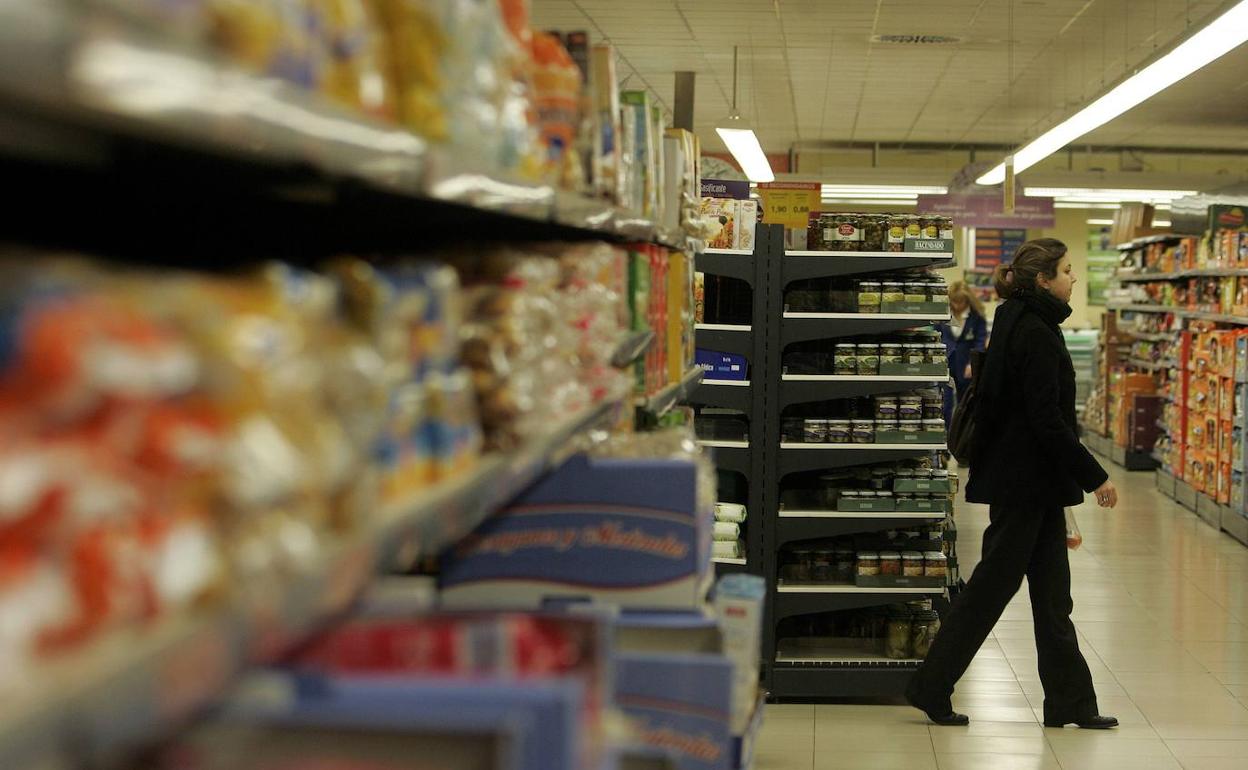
column 809, row 71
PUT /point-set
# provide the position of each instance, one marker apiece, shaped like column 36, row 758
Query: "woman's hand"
column 967, row 374
column 1107, row 495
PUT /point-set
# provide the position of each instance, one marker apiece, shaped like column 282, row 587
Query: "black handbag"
column 962, row 424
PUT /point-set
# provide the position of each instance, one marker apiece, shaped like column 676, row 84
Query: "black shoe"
column 952, row 719
column 947, row 718
column 1087, row 723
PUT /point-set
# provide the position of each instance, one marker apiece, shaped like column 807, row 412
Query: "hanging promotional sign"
column 989, row 211
column 789, row 203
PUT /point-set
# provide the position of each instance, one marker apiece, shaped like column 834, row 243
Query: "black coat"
column 1026, row 446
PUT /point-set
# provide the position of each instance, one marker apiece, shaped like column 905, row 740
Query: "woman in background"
column 965, row 333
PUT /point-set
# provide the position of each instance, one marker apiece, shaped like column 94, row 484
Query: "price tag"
column 789, row 203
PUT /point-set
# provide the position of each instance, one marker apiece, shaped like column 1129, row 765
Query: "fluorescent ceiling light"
column 744, row 146
column 879, row 195
column 871, row 190
column 741, row 140
column 872, row 201
column 1223, row 34
column 1095, row 195
column 1097, row 206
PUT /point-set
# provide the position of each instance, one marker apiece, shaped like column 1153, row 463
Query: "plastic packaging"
column 1074, row 538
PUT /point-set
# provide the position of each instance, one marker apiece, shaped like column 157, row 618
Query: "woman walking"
column 966, row 332
column 1026, row 464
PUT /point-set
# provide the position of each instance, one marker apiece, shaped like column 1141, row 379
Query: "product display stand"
column 1198, row 454
column 746, row 396
column 825, row 672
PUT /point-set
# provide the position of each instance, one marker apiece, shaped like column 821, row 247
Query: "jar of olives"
column 869, row 296
column 895, row 238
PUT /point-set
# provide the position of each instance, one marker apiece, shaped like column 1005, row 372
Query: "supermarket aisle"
column 1161, row 603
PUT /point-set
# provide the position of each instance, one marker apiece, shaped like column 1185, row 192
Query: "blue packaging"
column 721, row 366
column 621, row 532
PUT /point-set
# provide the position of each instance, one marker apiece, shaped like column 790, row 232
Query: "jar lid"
column 868, row 345
column 867, row 555
column 912, row 555
column 867, row 493
column 895, row 283
column 940, row 473
column 911, row 422
column 934, row 556
column 846, row 345
column 890, row 554
column 884, row 493
column 839, row 422
column 870, row 283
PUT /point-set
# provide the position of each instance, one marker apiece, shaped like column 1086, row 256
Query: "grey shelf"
column 660, row 403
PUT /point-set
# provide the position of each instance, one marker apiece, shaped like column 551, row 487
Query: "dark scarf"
column 1050, row 309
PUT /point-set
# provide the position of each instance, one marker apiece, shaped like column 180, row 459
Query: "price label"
column 789, row 203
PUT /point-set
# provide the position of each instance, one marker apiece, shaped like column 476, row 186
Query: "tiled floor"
column 1161, row 604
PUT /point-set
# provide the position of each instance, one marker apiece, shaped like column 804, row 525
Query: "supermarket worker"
column 964, row 333
column 1026, row 464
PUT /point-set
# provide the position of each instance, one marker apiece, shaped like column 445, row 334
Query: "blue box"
column 681, row 703
column 620, row 532
column 721, row 366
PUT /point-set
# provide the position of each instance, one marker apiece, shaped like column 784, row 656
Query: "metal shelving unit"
column 821, row 676
column 746, row 396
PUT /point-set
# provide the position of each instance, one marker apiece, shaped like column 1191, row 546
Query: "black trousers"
column 1021, row 540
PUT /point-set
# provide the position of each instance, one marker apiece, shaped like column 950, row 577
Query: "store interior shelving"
column 145, row 150
column 1198, row 359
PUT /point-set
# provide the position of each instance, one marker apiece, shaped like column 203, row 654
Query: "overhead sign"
column 789, row 203
column 988, row 210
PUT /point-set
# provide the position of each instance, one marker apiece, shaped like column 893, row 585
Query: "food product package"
column 726, row 549
column 739, row 605
column 726, row 530
column 622, row 532
column 734, row 512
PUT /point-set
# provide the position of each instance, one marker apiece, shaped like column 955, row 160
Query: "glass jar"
column 843, row 565
column 915, row 353
column 793, row 429
column 839, row 431
column 910, row 426
column 893, row 291
column 912, row 564
column 862, row 431
column 936, row 425
column 923, row 629
column 821, row 566
column 938, row 291
column 890, row 563
column 891, row 353
column 845, row 358
column 946, row 227
column 814, row 232
column 869, row 296
column 903, row 472
column 915, row 291
column 929, row 227
column 910, row 408
column 884, row 425
column 868, row 356
column 897, row 644
column 936, row 354
column 814, row 431
column 881, row 478
column 935, row 564
column 873, row 231
column 940, row 474
column 801, row 565
column 885, row 407
column 896, row 235
column 933, row 408
column 914, row 227
column 846, row 235
column 868, row 563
